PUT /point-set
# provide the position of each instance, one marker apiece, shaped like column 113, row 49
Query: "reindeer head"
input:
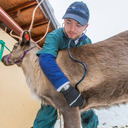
column 19, row 51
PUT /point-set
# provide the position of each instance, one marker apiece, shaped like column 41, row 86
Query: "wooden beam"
column 38, row 23
column 21, row 6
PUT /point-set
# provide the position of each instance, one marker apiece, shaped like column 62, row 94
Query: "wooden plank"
column 21, row 7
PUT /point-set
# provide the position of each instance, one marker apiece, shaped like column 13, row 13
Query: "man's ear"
column 86, row 26
column 25, row 38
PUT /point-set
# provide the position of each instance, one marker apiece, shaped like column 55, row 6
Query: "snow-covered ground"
column 114, row 117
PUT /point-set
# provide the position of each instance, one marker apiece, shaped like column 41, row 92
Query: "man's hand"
column 72, row 96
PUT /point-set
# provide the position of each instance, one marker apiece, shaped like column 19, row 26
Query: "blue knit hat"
column 79, row 12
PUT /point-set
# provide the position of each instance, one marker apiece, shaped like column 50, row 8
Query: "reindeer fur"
column 105, row 84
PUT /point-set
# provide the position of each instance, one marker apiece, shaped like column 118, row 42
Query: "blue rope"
column 78, row 62
column 2, row 48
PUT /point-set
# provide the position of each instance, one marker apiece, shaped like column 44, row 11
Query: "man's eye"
column 78, row 25
column 68, row 22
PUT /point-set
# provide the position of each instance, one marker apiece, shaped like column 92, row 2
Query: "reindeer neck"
column 31, row 68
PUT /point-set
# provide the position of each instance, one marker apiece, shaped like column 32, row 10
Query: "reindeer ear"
column 25, row 38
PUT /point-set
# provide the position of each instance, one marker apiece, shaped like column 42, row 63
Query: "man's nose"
column 72, row 28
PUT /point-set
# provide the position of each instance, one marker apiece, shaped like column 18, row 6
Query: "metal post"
column 6, row 19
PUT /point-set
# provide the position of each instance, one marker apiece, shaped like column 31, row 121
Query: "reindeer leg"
column 71, row 115
column 72, row 118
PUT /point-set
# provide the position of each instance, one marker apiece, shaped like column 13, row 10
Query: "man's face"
column 73, row 29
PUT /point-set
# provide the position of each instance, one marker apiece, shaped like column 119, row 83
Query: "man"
column 75, row 23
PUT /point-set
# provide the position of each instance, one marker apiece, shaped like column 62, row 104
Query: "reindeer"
column 106, row 82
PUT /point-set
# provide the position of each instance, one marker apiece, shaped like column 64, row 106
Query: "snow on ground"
column 114, row 117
